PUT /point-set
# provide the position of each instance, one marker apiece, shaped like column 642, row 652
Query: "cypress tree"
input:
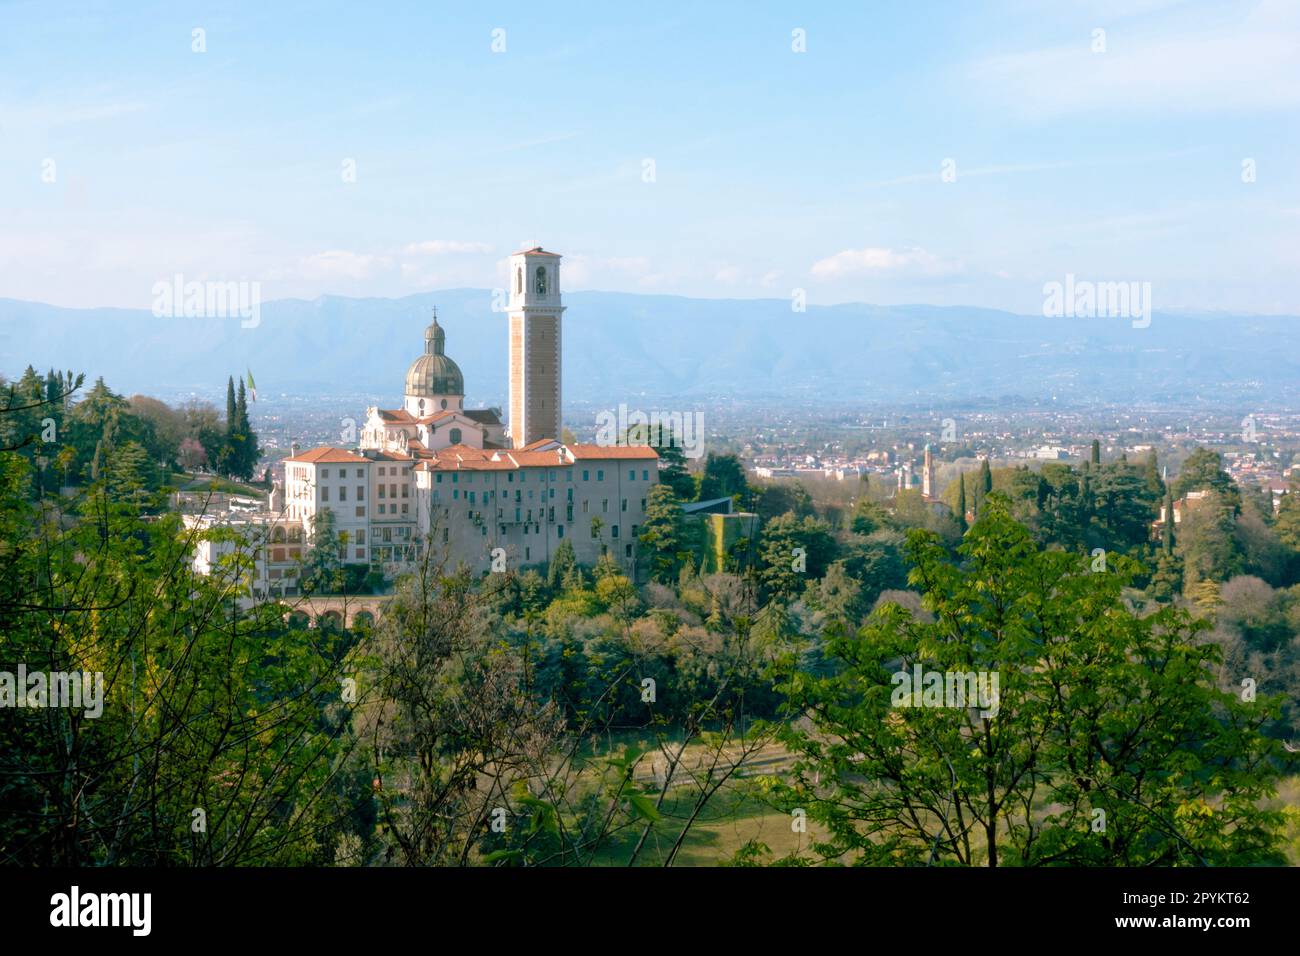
column 1169, row 521
column 961, row 502
column 246, row 442
column 227, row 463
column 1095, row 457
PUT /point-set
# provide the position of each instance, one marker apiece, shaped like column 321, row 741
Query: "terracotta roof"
column 541, row 443
column 612, row 452
column 435, row 417
column 395, row 415
column 536, row 251
column 533, row 459
column 484, row 416
column 327, row 455
column 376, row 455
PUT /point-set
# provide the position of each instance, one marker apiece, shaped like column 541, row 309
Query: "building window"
column 613, row 531
column 600, row 474
column 361, row 511
column 343, row 493
column 324, row 494
column 628, row 550
column 624, row 504
column 631, row 474
column 559, row 533
column 324, row 472
column 382, row 495
column 585, row 475
column 541, row 280
column 360, row 473
column 645, row 474
column 455, row 434
column 361, row 492
column 604, row 506
column 406, row 509
column 382, row 470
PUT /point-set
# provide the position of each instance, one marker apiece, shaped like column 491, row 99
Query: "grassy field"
column 730, row 820
column 736, row 815
column 182, row 481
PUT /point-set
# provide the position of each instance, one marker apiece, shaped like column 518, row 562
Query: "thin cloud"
column 881, row 260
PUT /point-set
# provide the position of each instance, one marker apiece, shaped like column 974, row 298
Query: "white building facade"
column 432, row 477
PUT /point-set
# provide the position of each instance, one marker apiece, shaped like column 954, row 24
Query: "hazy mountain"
column 620, row 347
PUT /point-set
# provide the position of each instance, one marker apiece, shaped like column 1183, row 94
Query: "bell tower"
column 535, row 347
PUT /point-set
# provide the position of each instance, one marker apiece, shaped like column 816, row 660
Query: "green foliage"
column 724, row 477
column 1097, row 709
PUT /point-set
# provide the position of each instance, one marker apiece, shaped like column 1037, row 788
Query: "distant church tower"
column 927, row 475
column 535, row 312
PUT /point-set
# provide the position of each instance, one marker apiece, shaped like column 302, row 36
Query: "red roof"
column 537, row 251
column 612, row 452
column 327, row 455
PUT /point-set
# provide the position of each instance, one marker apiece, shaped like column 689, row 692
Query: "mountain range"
column 629, row 347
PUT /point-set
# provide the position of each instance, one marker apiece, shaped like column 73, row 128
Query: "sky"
column 954, row 153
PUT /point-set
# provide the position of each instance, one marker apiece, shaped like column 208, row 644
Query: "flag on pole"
column 251, row 387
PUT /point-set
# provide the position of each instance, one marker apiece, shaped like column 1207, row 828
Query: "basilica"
column 433, row 478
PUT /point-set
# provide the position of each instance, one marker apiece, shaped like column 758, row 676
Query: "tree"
column 869, row 516
column 1207, row 542
column 245, row 439
column 1202, row 471
column 1094, row 457
column 672, row 466
column 1095, row 708
column 562, row 562
column 961, row 502
column 724, row 477
column 794, row 551
column 663, row 534
column 228, row 458
column 322, row 567
column 779, row 497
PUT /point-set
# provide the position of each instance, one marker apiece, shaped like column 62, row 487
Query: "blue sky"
column 773, row 170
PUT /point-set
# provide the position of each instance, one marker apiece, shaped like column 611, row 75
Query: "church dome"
column 433, row 373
